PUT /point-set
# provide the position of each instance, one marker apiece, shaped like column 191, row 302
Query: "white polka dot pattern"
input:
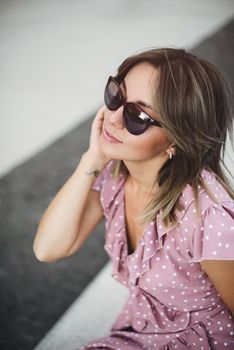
column 172, row 303
column 216, row 240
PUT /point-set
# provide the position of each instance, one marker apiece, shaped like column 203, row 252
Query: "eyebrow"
column 139, row 101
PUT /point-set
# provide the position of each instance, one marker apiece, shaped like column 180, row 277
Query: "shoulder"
column 210, row 236
column 188, row 218
column 221, row 197
column 103, row 177
column 215, row 187
column 108, row 186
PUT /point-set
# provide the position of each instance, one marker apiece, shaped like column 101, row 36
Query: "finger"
column 100, row 113
column 99, row 116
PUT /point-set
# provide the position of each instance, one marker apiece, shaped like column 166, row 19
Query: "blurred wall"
column 56, row 56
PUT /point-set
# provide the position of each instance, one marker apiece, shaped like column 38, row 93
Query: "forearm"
column 59, row 225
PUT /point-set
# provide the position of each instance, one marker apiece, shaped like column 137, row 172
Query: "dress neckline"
column 125, row 230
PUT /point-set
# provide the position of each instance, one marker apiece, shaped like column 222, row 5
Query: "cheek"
column 150, row 145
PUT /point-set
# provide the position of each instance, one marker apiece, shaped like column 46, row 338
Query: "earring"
column 170, row 153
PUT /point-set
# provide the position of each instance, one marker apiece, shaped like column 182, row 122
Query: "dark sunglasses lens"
column 135, row 120
column 112, row 95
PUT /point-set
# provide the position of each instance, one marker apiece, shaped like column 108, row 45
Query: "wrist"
column 93, row 165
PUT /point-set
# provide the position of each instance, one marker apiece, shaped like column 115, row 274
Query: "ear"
column 171, row 149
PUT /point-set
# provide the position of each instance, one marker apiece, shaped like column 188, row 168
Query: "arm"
column 60, row 225
column 65, row 221
column 221, row 273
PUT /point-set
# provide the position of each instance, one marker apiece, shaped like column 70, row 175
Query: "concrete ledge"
column 90, row 317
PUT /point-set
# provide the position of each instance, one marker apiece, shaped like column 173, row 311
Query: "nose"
column 116, row 118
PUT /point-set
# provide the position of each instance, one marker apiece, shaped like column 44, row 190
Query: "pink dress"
column 172, row 303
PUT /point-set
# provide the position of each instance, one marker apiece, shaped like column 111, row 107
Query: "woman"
column 156, row 148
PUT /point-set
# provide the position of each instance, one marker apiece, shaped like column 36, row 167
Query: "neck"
column 142, row 175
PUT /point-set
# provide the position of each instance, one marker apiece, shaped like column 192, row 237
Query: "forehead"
column 140, row 80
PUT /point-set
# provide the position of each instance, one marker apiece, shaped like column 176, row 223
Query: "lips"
column 110, row 136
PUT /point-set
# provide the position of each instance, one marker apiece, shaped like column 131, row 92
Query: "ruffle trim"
column 116, row 244
column 193, row 337
column 158, row 319
column 190, row 338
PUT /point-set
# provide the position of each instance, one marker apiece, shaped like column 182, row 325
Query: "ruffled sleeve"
column 213, row 236
column 101, row 179
column 110, row 189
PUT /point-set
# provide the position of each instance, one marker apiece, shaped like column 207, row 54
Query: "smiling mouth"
column 110, row 137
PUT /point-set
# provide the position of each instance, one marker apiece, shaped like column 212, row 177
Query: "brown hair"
column 193, row 100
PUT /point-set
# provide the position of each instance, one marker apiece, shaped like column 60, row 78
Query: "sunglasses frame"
column 148, row 119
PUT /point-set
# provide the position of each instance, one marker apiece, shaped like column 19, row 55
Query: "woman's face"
column 153, row 142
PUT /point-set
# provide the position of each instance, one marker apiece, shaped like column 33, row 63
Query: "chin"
column 110, row 151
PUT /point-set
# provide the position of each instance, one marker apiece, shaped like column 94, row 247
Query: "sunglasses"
column 135, row 119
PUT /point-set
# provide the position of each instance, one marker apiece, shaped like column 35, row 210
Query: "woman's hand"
column 96, row 131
